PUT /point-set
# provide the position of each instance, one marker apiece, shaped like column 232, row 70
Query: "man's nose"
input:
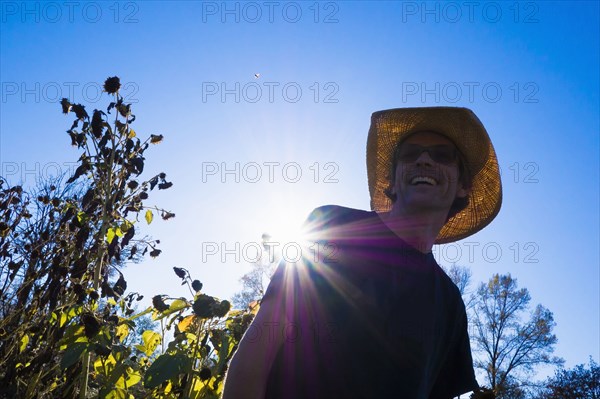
column 424, row 159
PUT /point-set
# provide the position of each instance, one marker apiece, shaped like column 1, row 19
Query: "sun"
column 284, row 224
column 285, row 229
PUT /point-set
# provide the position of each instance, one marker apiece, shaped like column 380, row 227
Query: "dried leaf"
column 184, row 324
column 155, row 139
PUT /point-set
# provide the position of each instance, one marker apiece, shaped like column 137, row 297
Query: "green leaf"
column 176, row 306
column 149, row 216
column 150, row 340
column 117, row 373
column 72, row 354
column 201, row 389
column 122, row 331
column 74, row 311
column 74, row 333
column 24, row 342
column 112, row 232
column 117, row 393
column 164, row 368
column 105, row 366
column 110, row 235
column 63, row 319
column 129, row 378
column 224, row 352
column 143, row 313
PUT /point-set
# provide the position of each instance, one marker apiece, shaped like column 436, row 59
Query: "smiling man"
column 367, row 312
column 426, row 180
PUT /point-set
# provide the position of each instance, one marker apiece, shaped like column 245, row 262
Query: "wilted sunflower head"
column 66, row 105
column 112, row 85
column 97, row 125
column 80, row 111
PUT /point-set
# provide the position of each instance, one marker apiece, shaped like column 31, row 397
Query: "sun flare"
column 285, row 230
column 285, row 225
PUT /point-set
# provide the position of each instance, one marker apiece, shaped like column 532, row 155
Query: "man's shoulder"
column 334, row 215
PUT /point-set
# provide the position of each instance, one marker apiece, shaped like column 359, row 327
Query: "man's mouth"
column 418, row 180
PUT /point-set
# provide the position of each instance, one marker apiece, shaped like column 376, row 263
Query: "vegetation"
column 509, row 347
column 67, row 325
column 576, row 383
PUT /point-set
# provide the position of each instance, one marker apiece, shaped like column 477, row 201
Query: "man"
column 368, row 313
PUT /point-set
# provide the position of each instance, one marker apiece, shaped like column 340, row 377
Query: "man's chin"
column 419, row 204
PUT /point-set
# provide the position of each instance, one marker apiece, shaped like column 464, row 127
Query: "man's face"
column 425, row 182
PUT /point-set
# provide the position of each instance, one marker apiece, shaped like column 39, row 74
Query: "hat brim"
column 466, row 131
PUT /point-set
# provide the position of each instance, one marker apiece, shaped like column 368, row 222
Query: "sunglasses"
column 442, row 153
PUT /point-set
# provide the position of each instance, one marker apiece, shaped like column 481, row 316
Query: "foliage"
column 192, row 365
column 66, row 327
column 576, row 383
column 483, row 393
column 509, row 349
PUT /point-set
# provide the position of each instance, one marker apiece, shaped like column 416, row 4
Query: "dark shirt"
column 368, row 317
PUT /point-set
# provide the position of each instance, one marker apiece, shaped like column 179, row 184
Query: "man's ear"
column 462, row 192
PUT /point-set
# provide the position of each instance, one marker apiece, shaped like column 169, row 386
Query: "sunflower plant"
column 67, row 321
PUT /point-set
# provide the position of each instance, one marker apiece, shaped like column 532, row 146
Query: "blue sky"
column 528, row 69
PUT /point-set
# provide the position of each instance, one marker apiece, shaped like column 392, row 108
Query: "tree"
column 576, row 383
column 255, row 282
column 461, row 276
column 509, row 348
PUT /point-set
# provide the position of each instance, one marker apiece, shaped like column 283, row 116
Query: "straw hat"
column 466, row 131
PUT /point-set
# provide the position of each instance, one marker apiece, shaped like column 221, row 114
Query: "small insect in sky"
column 257, row 75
